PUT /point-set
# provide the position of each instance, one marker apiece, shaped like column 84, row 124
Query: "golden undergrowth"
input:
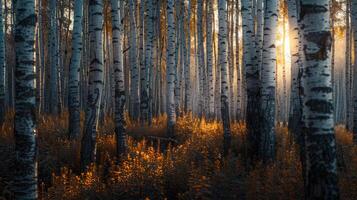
column 190, row 166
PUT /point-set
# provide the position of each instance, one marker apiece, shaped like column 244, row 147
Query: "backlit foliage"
column 188, row 167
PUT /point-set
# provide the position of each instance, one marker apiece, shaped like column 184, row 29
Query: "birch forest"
column 178, row 99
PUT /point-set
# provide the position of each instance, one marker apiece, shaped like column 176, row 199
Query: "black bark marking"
column 323, row 40
column 320, row 106
column 307, row 9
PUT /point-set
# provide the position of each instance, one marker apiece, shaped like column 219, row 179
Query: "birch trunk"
column 231, row 58
column 268, row 82
column 259, row 34
column 53, row 50
column 95, row 87
column 354, row 28
column 143, row 76
column 223, row 63
column 134, row 70
column 187, row 105
column 252, row 77
column 318, row 126
column 170, row 69
column 295, row 110
column 149, row 45
column 119, row 76
column 238, row 67
column 2, row 66
column 201, row 59
column 25, row 178
column 209, row 47
column 74, row 69
column 348, row 66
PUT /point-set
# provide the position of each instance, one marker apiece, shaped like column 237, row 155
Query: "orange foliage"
column 188, row 167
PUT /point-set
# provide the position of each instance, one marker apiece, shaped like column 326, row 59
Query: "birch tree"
column 209, row 47
column 74, row 69
column 54, row 58
column 2, row 66
column 187, row 104
column 25, row 178
column 259, row 34
column 295, row 103
column 223, row 62
column 142, row 67
column 149, row 43
column 201, row 58
column 252, row 76
column 354, row 28
column 119, row 76
column 318, row 125
column 134, row 70
column 95, row 87
column 238, row 67
column 170, row 68
column 348, row 66
column 268, row 82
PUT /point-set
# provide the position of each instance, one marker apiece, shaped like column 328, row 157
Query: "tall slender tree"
column 142, row 67
column 354, row 28
column 318, row 126
column 54, row 58
column 95, row 87
column 238, row 67
column 260, row 28
column 201, row 59
column 148, row 63
column 170, row 68
column 134, row 70
column 117, row 27
column 348, row 65
column 252, row 77
column 209, row 47
column 74, row 69
column 25, row 178
column 268, row 82
column 295, row 108
column 2, row 66
column 223, row 63
column 187, row 104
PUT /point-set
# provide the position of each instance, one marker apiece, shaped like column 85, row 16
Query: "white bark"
column 348, row 66
column 268, row 82
column 134, row 70
column 259, row 33
column 238, row 67
column 187, row 103
column 318, row 125
column 2, row 66
column 170, row 68
column 223, row 63
column 354, row 91
column 201, row 60
column 295, row 110
column 74, row 69
column 148, row 63
column 54, row 58
column 25, row 166
column 119, row 95
column 95, row 87
column 209, row 39
column 251, row 77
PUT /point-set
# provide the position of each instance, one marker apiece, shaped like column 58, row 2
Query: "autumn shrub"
column 188, row 166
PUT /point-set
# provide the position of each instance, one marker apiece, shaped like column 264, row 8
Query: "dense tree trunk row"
column 157, row 57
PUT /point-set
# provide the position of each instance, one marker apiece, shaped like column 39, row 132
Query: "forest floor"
column 189, row 167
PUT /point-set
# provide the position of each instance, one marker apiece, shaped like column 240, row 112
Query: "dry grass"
column 190, row 168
